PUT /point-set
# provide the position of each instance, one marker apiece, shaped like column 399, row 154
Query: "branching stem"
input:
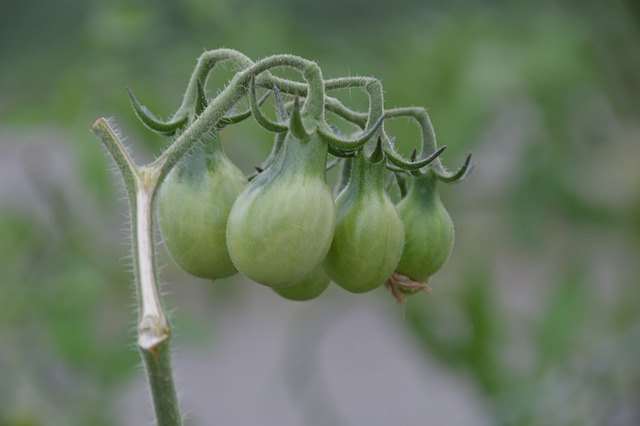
column 154, row 330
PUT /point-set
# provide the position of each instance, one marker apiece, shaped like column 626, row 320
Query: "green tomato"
column 367, row 244
column 429, row 237
column 280, row 227
column 309, row 288
column 193, row 204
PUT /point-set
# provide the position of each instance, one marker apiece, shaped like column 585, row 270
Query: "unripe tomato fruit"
column 367, row 244
column 309, row 288
column 193, row 206
column 429, row 238
column 280, row 227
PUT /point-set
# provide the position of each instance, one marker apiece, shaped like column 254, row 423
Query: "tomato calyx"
column 400, row 286
column 165, row 128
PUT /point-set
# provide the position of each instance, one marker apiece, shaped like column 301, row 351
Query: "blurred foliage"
column 538, row 304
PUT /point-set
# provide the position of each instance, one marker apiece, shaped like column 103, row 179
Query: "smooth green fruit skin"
column 369, row 236
column 193, row 206
column 280, row 227
column 430, row 234
column 311, row 287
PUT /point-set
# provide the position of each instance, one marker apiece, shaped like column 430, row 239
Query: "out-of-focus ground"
column 535, row 318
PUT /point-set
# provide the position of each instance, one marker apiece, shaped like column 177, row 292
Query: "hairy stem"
column 209, row 59
column 232, row 93
column 206, row 62
column 154, row 331
column 426, row 131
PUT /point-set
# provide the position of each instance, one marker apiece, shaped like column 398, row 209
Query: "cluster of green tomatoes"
column 283, row 228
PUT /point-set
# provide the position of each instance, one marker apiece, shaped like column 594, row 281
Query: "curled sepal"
column 409, row 166
column 401, row 286
column 350, row 144
column 377, row 155
column 275, row 150
column 262, row 119
column 403, row 185
column 237, row 118
column 296, row 125
column 339, row 152
column 461, row 174
column 336, row 152
column 395, row 169
column 281, row 109
column 167, row 128
column 201, row 98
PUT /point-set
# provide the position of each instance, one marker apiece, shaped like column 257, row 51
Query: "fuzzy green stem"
column 337, row 108
column 429, row 152
column 231, row 94
column 348, row 82
column 374, row 91
column 157, row 365
column 268, row 81
column 372, row 86
column 206, row 62
column 209, row 59
column 428, row 135
column 154, row 331
column 376, row 103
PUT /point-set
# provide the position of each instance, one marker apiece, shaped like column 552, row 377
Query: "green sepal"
column 398, row 161
column 166, row 128
column 461, row 174
column 237, row 118
column 350, row 144
column 403, row 184
column 281, row 109
column 377, row 155
column 336, row 152
column 296, row 125
column 201, row 98
column 262, row 119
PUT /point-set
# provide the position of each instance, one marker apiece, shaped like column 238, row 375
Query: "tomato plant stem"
column 154, row 330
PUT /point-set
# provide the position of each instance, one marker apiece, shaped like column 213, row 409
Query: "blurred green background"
column 536, row 317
